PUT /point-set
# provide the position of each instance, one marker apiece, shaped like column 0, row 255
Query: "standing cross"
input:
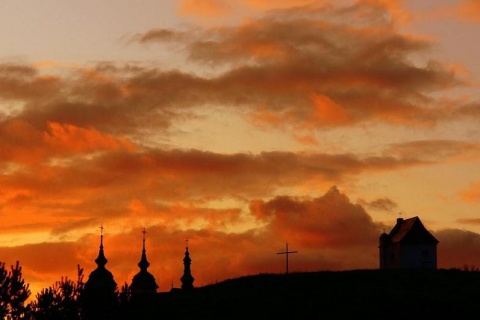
column 286, row 252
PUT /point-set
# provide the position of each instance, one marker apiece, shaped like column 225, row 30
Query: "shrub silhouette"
column 13, row 293
column 61, row 301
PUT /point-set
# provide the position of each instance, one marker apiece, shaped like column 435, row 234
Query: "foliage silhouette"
column 125, row 295
column 13, row 293
column 61, row 301
column 467, row 267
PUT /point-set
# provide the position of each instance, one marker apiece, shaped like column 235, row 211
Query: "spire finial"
column 144, row 264
column 144, row 235
column 101, row 235
column 101, row 261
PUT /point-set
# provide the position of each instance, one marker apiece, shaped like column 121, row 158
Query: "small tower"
column 99, row 293
column 187, row 278
column 143, row 283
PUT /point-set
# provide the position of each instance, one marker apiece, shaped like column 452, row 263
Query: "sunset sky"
column 238, row 124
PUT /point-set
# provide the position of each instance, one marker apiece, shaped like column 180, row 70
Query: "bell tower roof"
column 143, row 264
column 187, row 278
column 100, row 286
column 143, row 282
column 101, row 260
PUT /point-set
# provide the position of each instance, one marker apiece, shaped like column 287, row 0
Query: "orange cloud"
column 301, row 69
column 469, row 221
column 269, row 4
column 472, row 193
column 43, row 263
column 216, row 9
column 77, row 190
column 23, row 143
column 79, row 140
column 383, row 204
column 306, row 139
column 457, row 247
column 328, row 112
column 362, row 70
column 393, row 7
column 303, row 66
column 69, row 185
column 159, row 35
column 463, row 10
column 221, row 9
column 22, row 82
column 106, row 98
column 469, row 10
column 20, row 142
column 435, row 150
column 315, row 223
column 204, row 8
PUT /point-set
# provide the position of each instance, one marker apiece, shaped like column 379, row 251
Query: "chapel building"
column 408, row 245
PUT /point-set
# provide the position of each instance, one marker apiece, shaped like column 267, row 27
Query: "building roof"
column 143, row 282
column 100, row 280
column 187, row 278
column 411, row 230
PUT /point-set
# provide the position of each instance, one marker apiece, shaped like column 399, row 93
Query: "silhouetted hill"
column 356, row 294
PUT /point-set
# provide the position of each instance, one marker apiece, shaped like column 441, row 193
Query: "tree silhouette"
column 13, row 293
column 59, row 301
column 125, row 295
column 125, row 303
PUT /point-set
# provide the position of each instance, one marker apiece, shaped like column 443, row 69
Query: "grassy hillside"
column 357, row 294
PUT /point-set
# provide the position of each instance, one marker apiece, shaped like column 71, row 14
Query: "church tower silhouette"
column 99, row 295
column 143, row 283
column 187, row 278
